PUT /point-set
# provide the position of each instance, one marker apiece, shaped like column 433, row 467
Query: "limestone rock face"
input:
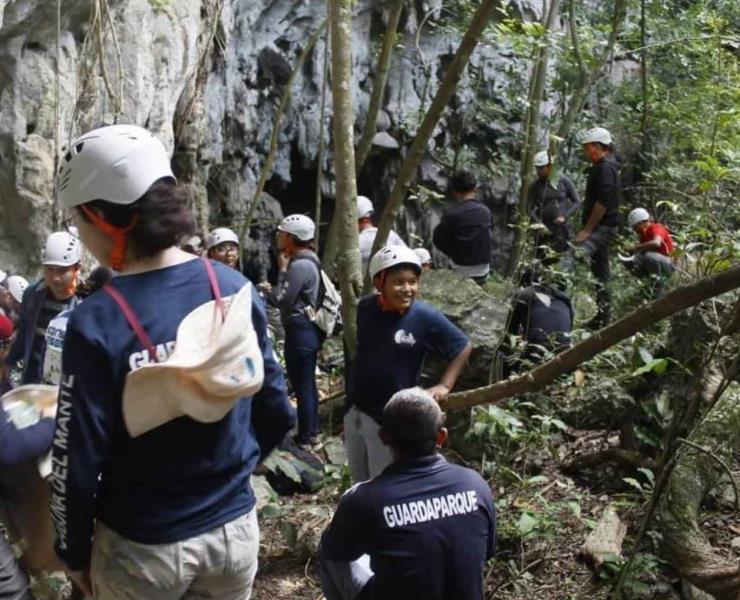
column 214, row 104
column 480, row 313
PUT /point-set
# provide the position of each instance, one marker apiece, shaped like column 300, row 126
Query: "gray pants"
column 341, row 580
column 367, row 456
column 652, row 263
column 13, row 581
column 219, row 564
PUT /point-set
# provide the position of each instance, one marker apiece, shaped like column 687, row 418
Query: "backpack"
column 326, row 314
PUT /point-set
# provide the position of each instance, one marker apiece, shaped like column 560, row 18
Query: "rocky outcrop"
column 214, row 103
column 480, row 312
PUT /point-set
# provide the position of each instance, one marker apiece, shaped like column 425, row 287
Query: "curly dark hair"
column 163, row 217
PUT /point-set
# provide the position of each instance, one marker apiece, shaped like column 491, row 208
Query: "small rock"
column 735, row 543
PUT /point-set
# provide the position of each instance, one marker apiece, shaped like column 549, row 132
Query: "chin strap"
column 119, row 235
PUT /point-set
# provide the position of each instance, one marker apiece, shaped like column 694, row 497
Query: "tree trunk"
column 345, row 213
column 446, row 89
column 532, row 120
column 588, row 79
column 698, row 469
column 670, row 304
column 381, row 77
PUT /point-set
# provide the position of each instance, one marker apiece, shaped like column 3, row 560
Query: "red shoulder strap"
column 215, row 289
column 132, row 320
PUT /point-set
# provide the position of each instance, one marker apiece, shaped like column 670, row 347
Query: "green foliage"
column 159, row 5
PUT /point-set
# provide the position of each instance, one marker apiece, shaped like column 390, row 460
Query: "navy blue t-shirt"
column 391, row 348
column 177, row 480
column 428, row 527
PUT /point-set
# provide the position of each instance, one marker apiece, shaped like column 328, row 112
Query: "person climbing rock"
column 600, row 220
column 552, row 202
column 652, row 257
column 296, row 292
column 464, row 233
column 170, row 393
column 44, row 300
column 368, row 231
column 223, row 246
column 423, row 528
column 542, row 316
column 395, row 332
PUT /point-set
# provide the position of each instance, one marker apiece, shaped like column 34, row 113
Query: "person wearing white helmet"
column 600, row 218
column 223, row 245
column 653, row 255
column 296, row 295
column 552, row 202
column 368, row 231
column 395, row 332
column 44, row 300
column 464, row 233
column 161, row 418
column 425, row 258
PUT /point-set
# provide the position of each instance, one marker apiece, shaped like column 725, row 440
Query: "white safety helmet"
column 389, row 256
column 423, row 254
column 636, row 216
column 219, row 236
column 541, row 159
column 364, row 207
column 62, row 250
column 117, row 164
column 597, row 134
column 16, row 286
column 300, row 226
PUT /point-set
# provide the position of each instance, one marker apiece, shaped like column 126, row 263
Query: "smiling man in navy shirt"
column 426, row 526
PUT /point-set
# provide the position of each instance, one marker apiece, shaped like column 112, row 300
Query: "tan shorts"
column 220, row 564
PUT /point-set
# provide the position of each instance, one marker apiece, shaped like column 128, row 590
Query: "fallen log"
column 670, row 304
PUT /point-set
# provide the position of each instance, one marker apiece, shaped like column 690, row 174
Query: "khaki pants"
column 367, row 456
column 219, row 564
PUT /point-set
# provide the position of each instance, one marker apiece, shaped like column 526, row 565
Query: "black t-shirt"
column 428, row 527
column 464, row 233
column 604, row 186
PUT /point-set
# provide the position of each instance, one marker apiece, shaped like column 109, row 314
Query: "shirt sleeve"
column 291, row 284
column 82, row 441
column 349, row 533
column 20, row 445
column 573, row 200
column 441, row 236
column 444, row 338
column 272, row 414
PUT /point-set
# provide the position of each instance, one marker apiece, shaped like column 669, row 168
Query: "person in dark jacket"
column 464, row 233
column 542, row 316
column 552, row 202
column 297, row 295
column 43, row 301
column 156, row 471
column 423, row 528
column 18, row 447
column 600, row 220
